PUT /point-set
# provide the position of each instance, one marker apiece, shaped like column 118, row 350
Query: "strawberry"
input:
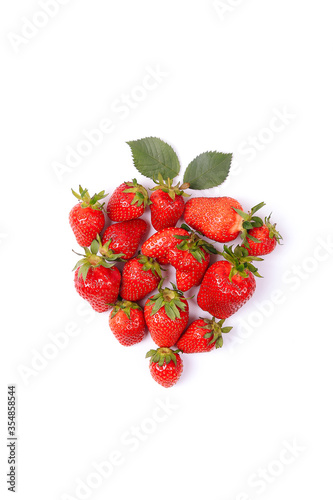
column 190, row 258
column 127, row 322
column 229, row 283
column 141, row 276
column 87, row 218
column 127, row 202
column 202, row 336
column 165, row 366
column 125, row 237
column 262, row 240
column 167, row 203
column 158, row 245
column 220, row 219
column 166, row 315
column 214, row 217
column 96, row 280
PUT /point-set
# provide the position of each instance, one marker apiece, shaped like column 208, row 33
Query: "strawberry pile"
column 225, row 286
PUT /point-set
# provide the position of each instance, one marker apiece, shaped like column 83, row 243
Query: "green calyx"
column 150, row 264
column 161, row 355
column 91, row 259
column 240, row 261
column 167, row 187
column 87, row 201
column 249, row 222
column 126, row 306
column 273, row 232
column 141, row 195
column 106, row 252
column 194, row 244
column 169, row 299
column 215, row 331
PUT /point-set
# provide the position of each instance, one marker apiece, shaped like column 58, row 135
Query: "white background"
column 225, row 76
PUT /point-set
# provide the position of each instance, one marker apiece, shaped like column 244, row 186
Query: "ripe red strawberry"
column 127, row 322
column 128, row 202
column 262, row 240
column 158, row 245
column 87, row 218
column 202, row 336
column 166, row 315
column 96, row 280
column 167, row 203
column 125, row 237
column 166, row 366
column 220, row 219
column 229, row 283
column 191, row 258
column 141, row 276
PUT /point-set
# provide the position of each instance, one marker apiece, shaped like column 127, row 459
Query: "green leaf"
column 94, row 247
column 258, row 207
column 157, row 306
column 79, row 264
column 175, row 309
column 150, row 353
column 155, row 358
column 173, row 357
column 83, row 271
column 152, row 156
column 169, row 312
column 208, row 170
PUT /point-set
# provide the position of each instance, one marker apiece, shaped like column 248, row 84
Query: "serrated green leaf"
column 152, row 156
column 208, row 170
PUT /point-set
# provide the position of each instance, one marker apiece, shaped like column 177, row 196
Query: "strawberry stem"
column 162, row 355
column 241, row 261
column 167, row 187
column 249, row 222
column 87, row 201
